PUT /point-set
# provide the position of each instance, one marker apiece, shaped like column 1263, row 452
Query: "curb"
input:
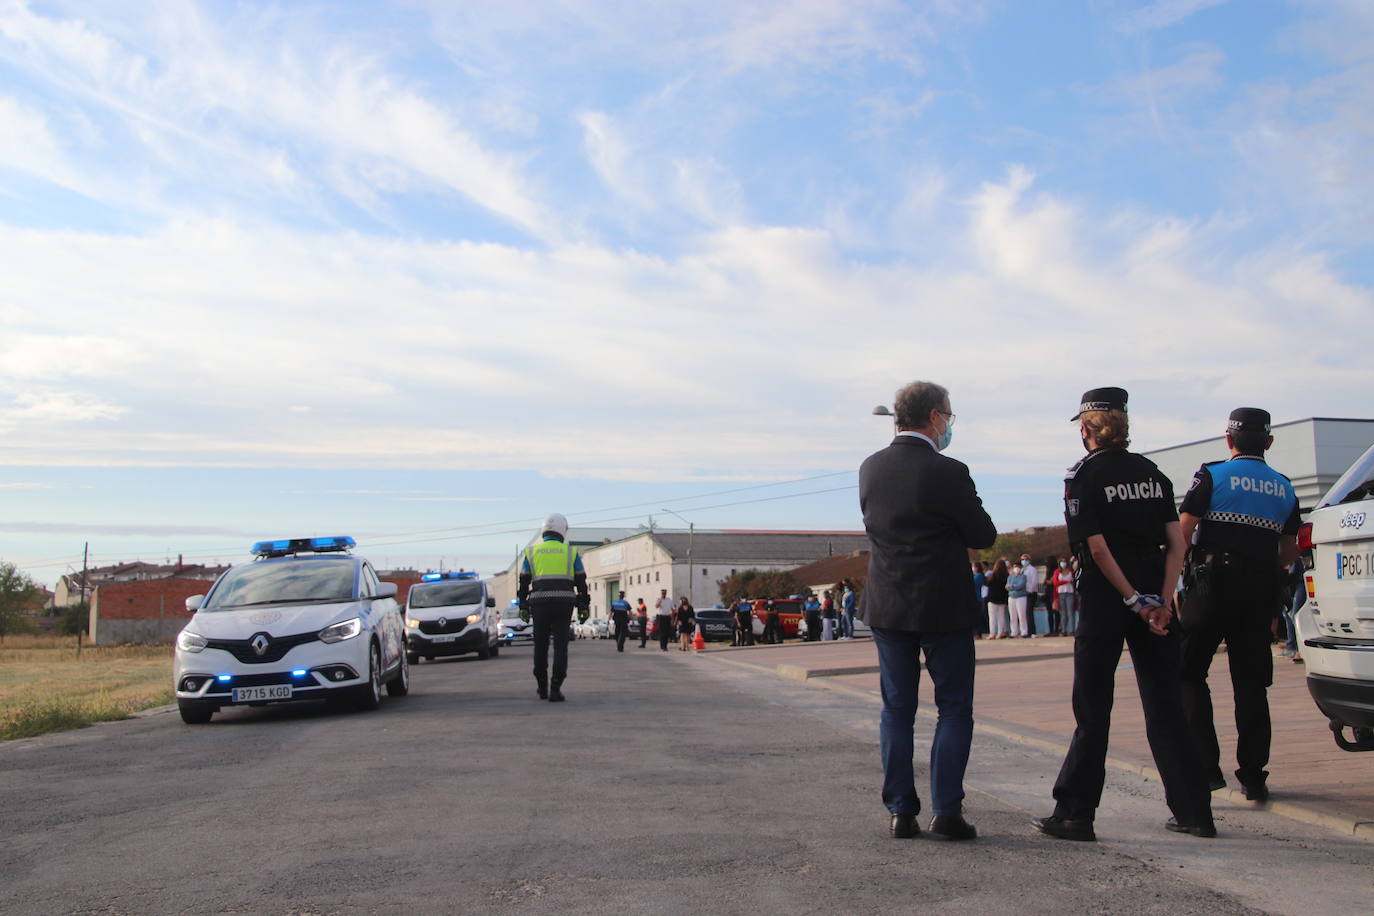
column 1362, row 830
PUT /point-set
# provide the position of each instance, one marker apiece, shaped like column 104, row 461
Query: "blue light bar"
column 225, row 677
column 460, row 574
column 299, row 672
column 285, row 546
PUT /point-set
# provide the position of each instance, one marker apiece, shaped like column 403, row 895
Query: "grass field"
column 46, row 687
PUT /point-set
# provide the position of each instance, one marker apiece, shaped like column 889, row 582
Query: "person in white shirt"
column 665, row 608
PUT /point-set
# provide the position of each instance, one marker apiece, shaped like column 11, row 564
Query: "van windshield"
column 445, row 594
column 284, row 582
column 1355, row 484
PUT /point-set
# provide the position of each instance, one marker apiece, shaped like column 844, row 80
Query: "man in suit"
column 924, row 520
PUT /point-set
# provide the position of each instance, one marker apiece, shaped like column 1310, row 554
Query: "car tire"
column 484, row 653
column 412, row 658
column 399, row 685
column 369, row 695
column 193, row 713
column 495, row 650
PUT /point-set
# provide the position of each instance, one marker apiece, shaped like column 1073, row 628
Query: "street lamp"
column 691, row 528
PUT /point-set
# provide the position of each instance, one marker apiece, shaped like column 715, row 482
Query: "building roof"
column 830, row 570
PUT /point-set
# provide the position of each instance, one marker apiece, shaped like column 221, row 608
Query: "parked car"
column 451, row 614
column 306, row 620
column 1336, row 625
column 717, row 623
column 789, row 613
column 596, row 628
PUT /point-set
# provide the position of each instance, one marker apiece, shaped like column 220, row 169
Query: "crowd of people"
column 1011, row 590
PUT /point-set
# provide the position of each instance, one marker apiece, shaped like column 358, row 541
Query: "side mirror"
column 386, row 590
column 491, row 602
column 193, row 603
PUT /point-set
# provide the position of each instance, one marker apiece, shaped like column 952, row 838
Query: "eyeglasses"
column 948, row 414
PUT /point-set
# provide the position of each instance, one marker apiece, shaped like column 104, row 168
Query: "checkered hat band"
column 1097, row 405
column 1241, row 425
column 1239, row 518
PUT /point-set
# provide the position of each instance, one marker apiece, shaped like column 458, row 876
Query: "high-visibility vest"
column 552, row 565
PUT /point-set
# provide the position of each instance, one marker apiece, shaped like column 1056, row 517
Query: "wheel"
column 193, row 713
column 399, row 685
column 412, row 658
column 495, row 651
column 429, row 658
column 369, row 695
column 484, row 653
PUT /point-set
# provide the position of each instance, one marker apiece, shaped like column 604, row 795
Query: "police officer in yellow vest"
column 552, row 582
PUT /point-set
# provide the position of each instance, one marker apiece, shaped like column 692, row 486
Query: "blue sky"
column 408, row 270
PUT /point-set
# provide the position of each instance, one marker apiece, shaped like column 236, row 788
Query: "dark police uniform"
column 620, row 616
column 1123, row 497
column 744, row 624
column 1245, row 507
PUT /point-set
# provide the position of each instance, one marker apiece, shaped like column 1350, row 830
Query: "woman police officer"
column 1124, row 528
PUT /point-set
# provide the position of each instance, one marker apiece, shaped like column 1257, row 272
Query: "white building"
column 1312, row 453
column 693, row 563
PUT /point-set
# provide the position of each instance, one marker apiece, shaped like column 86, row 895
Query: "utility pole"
column 85, row 555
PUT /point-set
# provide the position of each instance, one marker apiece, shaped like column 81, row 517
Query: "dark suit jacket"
column 922, row 514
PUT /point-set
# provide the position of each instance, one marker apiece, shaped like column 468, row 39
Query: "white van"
column 1336, row 625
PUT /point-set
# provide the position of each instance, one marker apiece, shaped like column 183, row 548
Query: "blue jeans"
column 846, row 625
column 949, row 656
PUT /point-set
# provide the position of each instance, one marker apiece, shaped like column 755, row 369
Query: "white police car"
column 1336, row 625
column 451, row 614
column 305, row 621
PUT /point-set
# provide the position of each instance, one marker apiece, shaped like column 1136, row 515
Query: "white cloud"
column 1161, row 14
column 589, row 360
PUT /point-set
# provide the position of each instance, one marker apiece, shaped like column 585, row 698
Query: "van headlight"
column 338, row 632
column 413, row 623
column 190, row 642
column 473, row 618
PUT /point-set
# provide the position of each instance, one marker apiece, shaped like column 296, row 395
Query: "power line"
column 464, row 532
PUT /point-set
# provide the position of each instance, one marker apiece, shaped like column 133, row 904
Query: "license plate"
column 1354, row 565
column 442, row 638
column 253, row 694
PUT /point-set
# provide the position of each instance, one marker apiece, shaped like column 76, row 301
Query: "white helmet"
column 556, row 523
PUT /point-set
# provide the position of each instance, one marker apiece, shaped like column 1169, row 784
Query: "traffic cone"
column 698, row 641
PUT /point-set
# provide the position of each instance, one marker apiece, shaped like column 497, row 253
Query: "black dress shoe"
column 1064, row 829
column 951, row 827
column 1255, row 791
column 543, row 690
column 1204, row 829
column 556, row 696
column 1217, row 781
column 904, row 827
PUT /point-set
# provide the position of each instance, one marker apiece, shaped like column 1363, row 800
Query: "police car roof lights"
column 288, row 546
column 460, row 574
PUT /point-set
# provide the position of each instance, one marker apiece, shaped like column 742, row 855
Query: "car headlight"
column 338, row 632
column 473, row 618
column 413, row 623
column 190, row 642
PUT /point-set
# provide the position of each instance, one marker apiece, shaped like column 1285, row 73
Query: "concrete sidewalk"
column 1023, row 689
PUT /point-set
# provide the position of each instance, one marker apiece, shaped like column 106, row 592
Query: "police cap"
column 1249, row 420
column 1101, row 399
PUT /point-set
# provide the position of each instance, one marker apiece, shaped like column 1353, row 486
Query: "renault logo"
column 443, row 621
column 260, row 643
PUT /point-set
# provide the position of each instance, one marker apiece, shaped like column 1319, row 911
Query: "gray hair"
column 914, row 402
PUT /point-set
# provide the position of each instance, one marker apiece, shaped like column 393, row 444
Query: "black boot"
column 556, row 694
column 543, row 687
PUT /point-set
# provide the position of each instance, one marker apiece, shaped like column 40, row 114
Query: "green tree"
column 760, row 583
column 1009, row 544
column 75, row 619
column 17, row 595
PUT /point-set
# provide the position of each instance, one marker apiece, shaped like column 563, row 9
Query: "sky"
column 422, row 272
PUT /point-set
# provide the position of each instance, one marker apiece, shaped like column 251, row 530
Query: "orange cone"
column 698, row 641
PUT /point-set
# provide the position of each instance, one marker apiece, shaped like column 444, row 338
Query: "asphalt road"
column 667, row 784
